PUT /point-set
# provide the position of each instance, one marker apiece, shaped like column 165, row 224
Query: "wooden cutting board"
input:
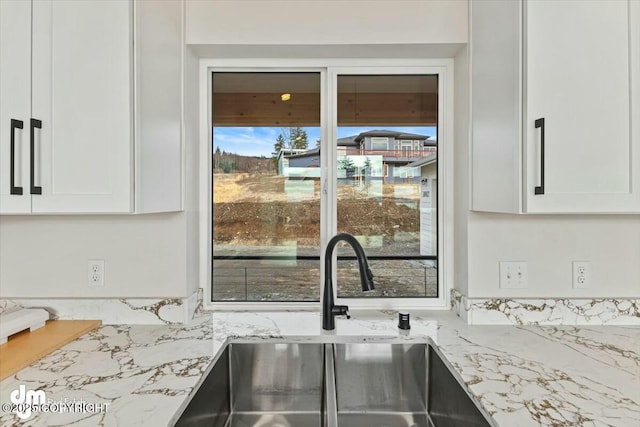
column 25, row 348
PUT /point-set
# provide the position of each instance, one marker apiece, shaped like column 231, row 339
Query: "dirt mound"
column 258, row 209
column 276, row 221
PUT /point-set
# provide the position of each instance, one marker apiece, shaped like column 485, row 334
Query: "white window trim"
column 329, row 69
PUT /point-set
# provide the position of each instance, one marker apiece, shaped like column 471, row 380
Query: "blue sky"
column 258, row 141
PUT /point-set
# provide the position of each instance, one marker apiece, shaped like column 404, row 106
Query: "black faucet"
column 329, row 309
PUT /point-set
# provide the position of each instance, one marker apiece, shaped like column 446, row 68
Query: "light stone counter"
column 523, row 375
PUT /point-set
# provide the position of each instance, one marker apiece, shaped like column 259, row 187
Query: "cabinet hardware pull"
column 539, row 123
column 34, row 124
column 15, row 124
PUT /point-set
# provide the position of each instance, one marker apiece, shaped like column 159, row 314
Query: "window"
column 379, row 143
column 407, row 147
column 266, row 186
column 288, row 174
column 387, row 214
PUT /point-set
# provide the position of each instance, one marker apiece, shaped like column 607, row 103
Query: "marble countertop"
column 522, row 375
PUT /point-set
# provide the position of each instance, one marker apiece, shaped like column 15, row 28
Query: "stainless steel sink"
column 354, row 384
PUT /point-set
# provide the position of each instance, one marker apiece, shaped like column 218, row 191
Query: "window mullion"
column 328, row 200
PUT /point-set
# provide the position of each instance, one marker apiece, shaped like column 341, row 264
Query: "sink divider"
column 330, row 399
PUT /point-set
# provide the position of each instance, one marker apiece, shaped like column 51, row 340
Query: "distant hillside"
column 224, row 162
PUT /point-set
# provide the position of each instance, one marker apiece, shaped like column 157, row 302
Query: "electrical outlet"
column 513, row 274
column 95, row 272
column 581, row 278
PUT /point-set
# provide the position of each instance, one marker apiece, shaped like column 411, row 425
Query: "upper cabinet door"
column 581, row 74
column 555, row 100
column 15, row 105
column 82, row 103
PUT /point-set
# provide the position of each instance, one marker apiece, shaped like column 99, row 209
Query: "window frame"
column 329, row 69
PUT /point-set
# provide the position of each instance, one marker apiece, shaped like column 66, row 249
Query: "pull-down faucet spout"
column 329, row 309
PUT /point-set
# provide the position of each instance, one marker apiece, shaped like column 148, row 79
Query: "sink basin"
column 260, row 384
column 379, row 384
column 347, row 384
column 399, row 385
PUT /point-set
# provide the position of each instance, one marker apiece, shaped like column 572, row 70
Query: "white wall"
column 549, row 243
column 46, row 256
column 314, row 22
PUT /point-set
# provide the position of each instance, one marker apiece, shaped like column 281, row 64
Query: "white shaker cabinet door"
column 15, row 105
column 581, row 77
column 82, row 101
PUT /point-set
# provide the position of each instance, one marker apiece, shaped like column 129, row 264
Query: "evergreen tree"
column 216, row 158
column 346, row 164
column 279, row 145
column 292, row 137
column 298, row 138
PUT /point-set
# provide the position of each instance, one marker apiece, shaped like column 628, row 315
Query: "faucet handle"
column 341, row 310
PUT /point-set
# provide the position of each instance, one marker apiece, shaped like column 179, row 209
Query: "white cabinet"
column 555, row 121
column 15, row 105
column 95, row 138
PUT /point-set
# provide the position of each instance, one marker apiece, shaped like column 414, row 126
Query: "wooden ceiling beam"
column 362, row 109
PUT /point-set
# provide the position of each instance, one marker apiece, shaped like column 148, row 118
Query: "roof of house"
column 348, row 140
column 308, row 153
column 397, row 135
column 289, row 151
column 424, row 161
column 354, row 141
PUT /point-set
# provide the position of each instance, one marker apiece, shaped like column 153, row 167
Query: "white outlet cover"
column 513, row 274
column 95, row 267
column 580, row 277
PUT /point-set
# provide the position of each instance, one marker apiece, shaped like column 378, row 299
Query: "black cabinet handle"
column 540, row 124
column 15, row 124
column 34, row 124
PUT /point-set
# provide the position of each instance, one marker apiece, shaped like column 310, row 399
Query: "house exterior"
column 377, row 154
column 428, row 167
column 397, row 149
column 283, row 159
column 303, row 164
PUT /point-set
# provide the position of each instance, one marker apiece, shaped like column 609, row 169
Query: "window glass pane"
column 266, row 191
column 378, row 143
column 387, row 193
